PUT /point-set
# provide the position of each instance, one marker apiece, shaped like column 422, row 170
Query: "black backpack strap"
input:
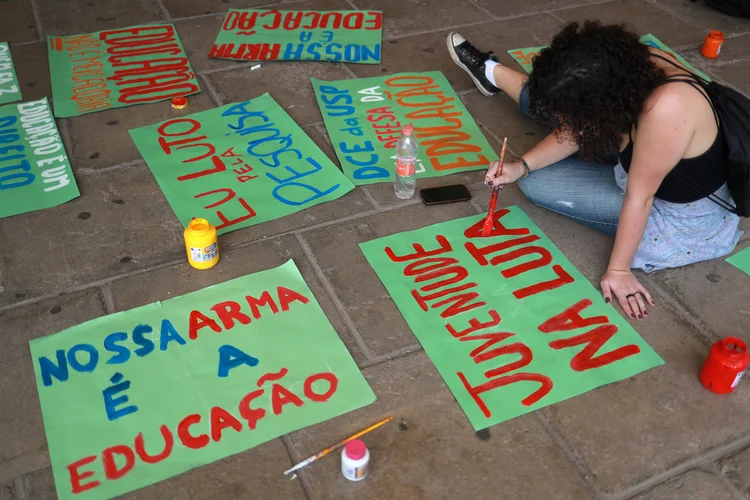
column 700, row 85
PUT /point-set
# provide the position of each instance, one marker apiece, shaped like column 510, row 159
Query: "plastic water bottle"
column 406, row 159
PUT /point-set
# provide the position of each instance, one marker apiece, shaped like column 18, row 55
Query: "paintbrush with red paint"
column 487, row 227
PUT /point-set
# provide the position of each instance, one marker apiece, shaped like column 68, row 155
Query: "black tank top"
column 692, row 178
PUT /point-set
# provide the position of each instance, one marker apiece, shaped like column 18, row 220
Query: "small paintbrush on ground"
column 487, row 227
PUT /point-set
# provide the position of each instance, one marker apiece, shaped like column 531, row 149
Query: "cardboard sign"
column 364, row 118
column 34, row 169
column 525, row 57
column 116, row 68
column 238, row 165
column 300, row 35
column 741, row 260
column 507, row 320
column 9, row 88
column 136, row 397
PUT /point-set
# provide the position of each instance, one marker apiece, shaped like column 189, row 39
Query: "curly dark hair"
column 592, row 82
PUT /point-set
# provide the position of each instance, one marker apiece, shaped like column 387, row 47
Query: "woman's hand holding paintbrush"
column 487, row 227
column 510, row 172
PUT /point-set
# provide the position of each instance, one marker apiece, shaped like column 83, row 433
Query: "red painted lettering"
column 476, row 392
column 563, row 278
column 420, row 252
column 594, row 340
column 228, row 312
column 140, row 447
column 264, row 300
column 281, row 396
column 187, row 439
column 77, row 477
column 252, row 415
column 287, row 296
column 498, row 229
column 475, row 324
column 110, row 466
column 333, row 383
column 571, row 319
column 220, row 420
column 199, row 320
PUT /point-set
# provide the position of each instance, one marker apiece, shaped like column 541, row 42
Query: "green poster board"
column 364, row 118
column 116, row 68
column 507, row 320
column 300, row 35
column 10, row 91
column 34, row 169
column 238, row 165
column 136, row 397
column 524, row 57
column 741, row 260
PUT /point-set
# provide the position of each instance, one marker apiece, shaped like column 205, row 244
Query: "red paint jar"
column 725, row 365
column 712, row 45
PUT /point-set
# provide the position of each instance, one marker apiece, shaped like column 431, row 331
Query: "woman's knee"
column 536, row 187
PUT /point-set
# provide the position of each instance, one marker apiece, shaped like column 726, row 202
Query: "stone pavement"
column 658, row 435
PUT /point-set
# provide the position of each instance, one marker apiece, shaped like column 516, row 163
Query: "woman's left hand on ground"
column 628, row 290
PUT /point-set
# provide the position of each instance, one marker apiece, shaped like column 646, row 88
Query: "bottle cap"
column 179, row 102
column 355, row 449
column 408, row 129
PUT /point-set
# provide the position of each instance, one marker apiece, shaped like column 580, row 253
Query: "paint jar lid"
column 199, row 226
column 179, row 102
column 408, row 129
column 355, row 449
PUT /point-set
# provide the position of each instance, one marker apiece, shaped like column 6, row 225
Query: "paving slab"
column 120, row 223
column 17, row 22
column 186, row 8
column 417, row 16
column 86, row 16
column 428, row 52
column 197, row 36
column 287, row 82
column 641, row 17
column 631, row 430
column 735, row 74
column 102, row 140
column 693, row 485
column 357, row 286
column 253, row 473
column 435, row 452
column 715, row 291
column 32, row 69
column 700, row 15
column 6, row 491
column 514, row 8
column 736, row 467
column 21, row 430
column 180, row 279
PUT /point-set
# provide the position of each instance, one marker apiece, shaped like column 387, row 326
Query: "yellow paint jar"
column 201, row 244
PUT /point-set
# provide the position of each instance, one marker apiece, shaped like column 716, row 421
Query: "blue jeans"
column 582, row 190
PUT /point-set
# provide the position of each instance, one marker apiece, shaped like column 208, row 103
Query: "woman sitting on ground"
column 608, row 95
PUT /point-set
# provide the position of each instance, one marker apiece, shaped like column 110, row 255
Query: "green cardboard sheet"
column 741, row 260
column 34, row 169
column 524, row 57
column 238, row 165
column 507, row 320
column 116, row 68
column 364, row 118
column 10, row 91
column 300, row 35
column 136, row 397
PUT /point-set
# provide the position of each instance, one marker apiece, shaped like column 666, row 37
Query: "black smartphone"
column 445, row 194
